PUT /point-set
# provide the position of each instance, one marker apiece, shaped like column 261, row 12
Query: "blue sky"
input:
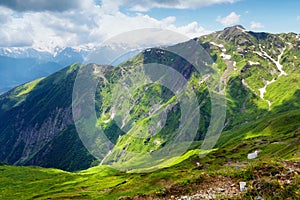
column 45, row 24
column 274, row 16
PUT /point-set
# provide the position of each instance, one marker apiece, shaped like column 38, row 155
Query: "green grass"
column 102, row 182
column 28, row 87
column 275, row 133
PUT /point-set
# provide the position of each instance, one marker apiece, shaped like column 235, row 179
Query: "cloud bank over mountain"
column 48, row 24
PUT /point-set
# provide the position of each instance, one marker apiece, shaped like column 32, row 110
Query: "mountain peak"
column 236, row 34
column 239, row 27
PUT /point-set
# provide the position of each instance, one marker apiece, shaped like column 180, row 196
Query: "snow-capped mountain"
column 19, row 52
column 29, row 52
column 21, row 65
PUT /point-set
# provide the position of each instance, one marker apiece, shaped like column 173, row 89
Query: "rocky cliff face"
column 35, row 114
column 34, row 137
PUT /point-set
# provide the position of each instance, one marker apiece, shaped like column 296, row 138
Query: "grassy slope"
column 275, row 134
column 102, row 182
column 40, row 98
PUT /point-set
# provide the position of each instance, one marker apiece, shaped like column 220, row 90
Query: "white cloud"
column 256, row 25
column 14, row 31
column 11, row 37
column 298, row 18
column 110, row 6
column 232, row 18
column 78, row 27
column 192, row 30
column 144, row 5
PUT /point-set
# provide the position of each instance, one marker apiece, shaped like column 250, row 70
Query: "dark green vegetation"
column 36, row 116
column 263, row 113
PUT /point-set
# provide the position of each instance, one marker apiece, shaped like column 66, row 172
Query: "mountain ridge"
column 261, row 74
column 241, row 59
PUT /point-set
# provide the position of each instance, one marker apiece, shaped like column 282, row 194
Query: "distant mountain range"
column 260, row 71
column 21, row 65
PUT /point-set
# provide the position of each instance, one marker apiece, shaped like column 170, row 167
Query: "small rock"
column 260, row 198
column 252, row 155
column 242, row 186
column 185, row 198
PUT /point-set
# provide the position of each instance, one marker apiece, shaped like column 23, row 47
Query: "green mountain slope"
column 36, row 122
column 260, row 71
column 267, row 176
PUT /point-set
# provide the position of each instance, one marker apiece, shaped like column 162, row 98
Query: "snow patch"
column 225, row 56
column 279, row 67
column 245, row 84
column 264, row 89
column 276, row 62
column 253, row 63
column 234, row 63
column 241, row 29
column 259, row 54
column 221, row 46
column 203, row 79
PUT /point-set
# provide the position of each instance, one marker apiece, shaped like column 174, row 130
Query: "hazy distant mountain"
column 21, row 65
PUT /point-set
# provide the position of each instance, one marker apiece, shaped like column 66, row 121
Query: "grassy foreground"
column 273, row 175
column 272, row 179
